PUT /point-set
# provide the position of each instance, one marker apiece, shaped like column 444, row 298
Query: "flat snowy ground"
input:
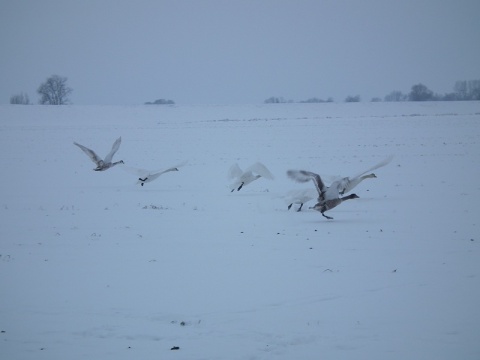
column 94, row 266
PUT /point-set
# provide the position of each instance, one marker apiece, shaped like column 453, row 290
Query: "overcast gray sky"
column 236, row 51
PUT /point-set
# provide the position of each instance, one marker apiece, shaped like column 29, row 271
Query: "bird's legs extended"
column 328, row 217
column 143, row 180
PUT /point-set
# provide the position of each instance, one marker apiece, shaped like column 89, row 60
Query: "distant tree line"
column 54, row 91
column 462, row 91
column 315, row 100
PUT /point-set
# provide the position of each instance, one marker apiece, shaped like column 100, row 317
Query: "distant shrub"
column 355, row 98
column 315, row 100
column 451, row 97
column 275, row 100
column 161, row 102
column 20, row 99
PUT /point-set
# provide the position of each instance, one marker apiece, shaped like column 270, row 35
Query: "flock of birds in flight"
column 328, row 197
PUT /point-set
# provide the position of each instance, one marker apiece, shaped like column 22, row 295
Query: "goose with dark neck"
column 328, row 197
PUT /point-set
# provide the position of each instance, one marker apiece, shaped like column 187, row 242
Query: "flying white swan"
column 346, row 184
column 145, row 176
column 102, row 164
column 252, row 173
column 328, row 197
column 300, row 197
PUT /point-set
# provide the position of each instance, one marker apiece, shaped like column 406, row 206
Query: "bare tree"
column 460, row 89
column 474, row 89
column 466, row 90
column 54, row 91
column 20, row 99
column 396, row 95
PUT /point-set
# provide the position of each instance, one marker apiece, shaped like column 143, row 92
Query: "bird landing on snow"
column 242, row 178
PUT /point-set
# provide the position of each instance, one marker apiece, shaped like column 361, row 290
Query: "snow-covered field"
column 94, row 266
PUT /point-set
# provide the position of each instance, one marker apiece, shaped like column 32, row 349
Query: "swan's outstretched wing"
column 330, row 179
column 379, row 165
column 112, row 152
column 260, row 169
column 145, row 172
column 234, row 171
column 90, row 153
column 171, row 168
column 155, row 174
column 145, row 175
column 305, row 176
column 135, row 171
column 333, row 191
column 339, row 184
column 152, row 177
